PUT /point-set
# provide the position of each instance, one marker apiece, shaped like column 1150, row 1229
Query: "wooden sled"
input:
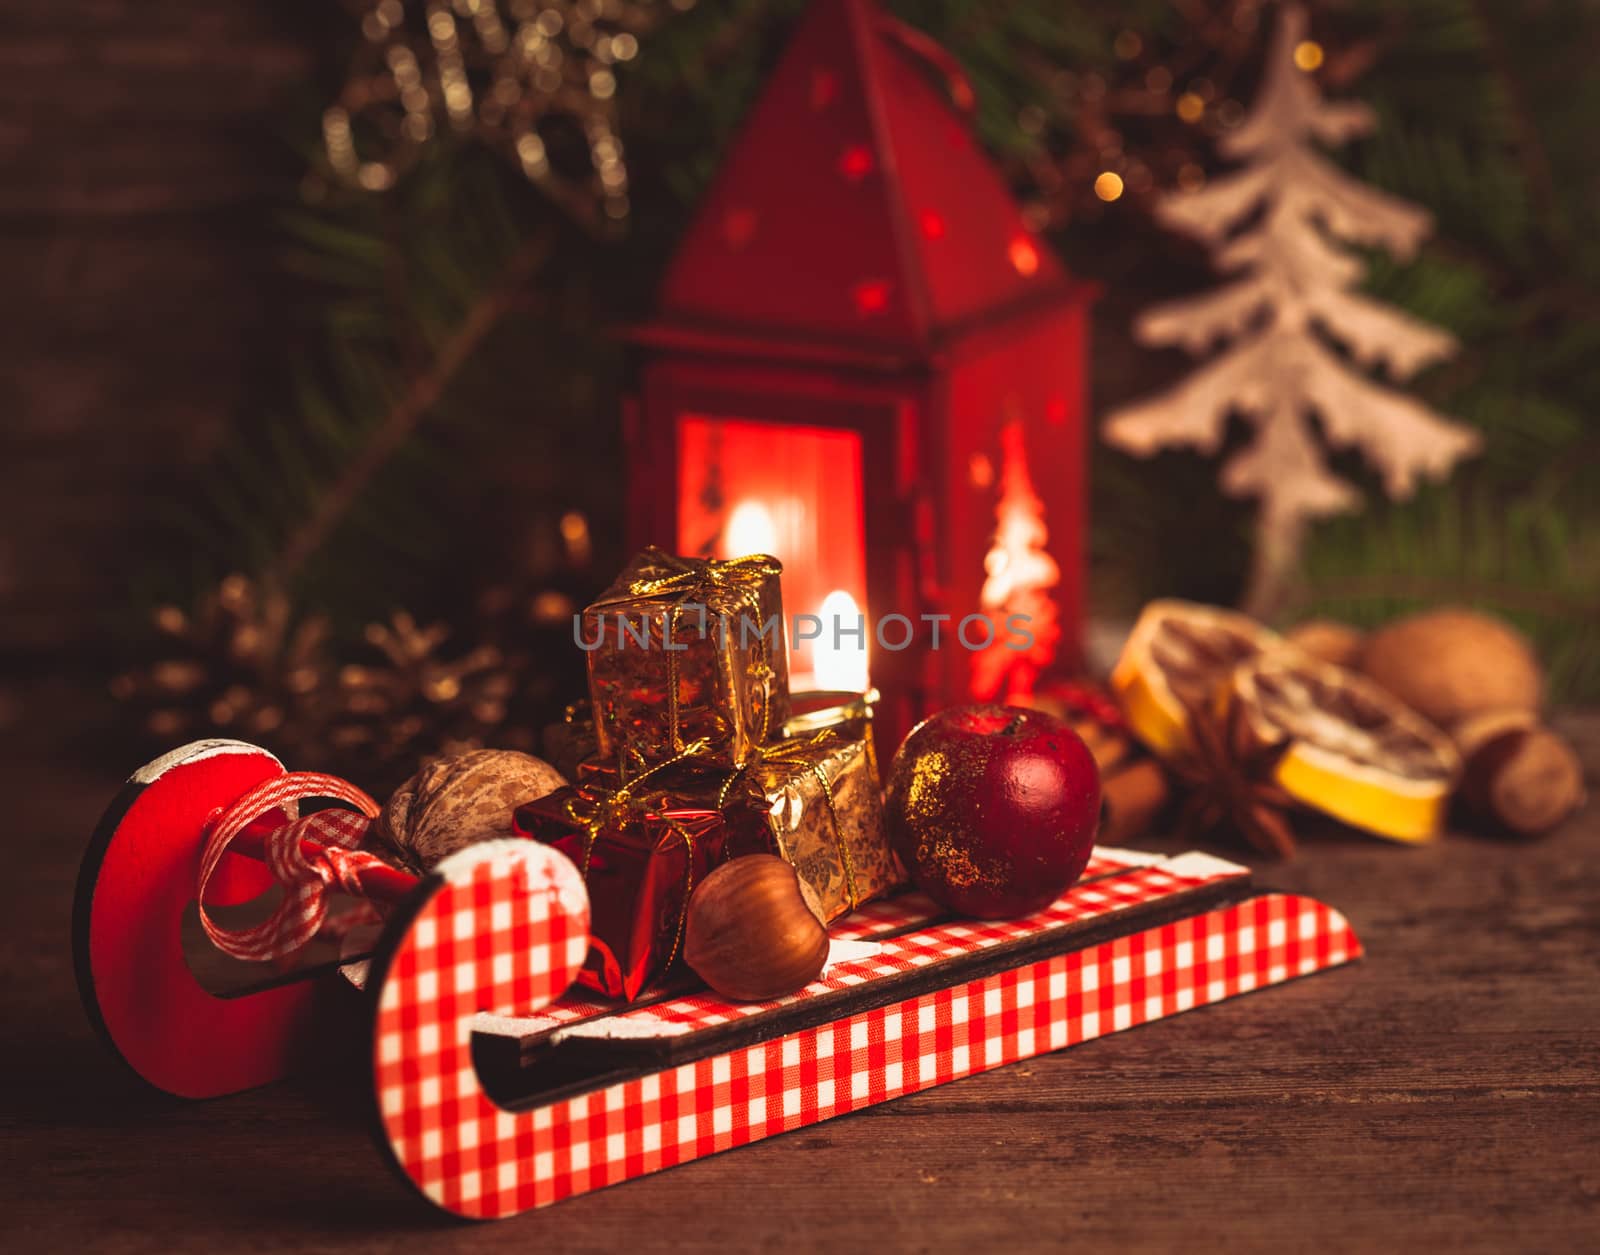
column 498, row 1088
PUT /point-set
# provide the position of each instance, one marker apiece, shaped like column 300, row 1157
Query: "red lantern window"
column 749, row 486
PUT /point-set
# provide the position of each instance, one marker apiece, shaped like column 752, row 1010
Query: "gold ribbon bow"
column 693, row 573
column 594, row 808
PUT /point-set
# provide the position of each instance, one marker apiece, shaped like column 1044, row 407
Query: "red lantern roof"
column 856, row 203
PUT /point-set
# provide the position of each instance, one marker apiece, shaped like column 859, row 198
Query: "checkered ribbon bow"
column 308, row 855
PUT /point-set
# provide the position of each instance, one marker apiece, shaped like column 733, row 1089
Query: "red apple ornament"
column 993, row 809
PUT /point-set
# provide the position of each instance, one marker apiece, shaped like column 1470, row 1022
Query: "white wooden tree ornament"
column 1280, row 320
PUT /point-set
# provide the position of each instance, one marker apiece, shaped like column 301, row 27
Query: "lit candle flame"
column 839, row 663
column 750, row 530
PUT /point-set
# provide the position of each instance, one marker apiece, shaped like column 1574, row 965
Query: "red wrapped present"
column 641, row 855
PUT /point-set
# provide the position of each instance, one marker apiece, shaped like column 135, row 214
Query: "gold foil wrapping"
column 820, row 800
column 685, row 650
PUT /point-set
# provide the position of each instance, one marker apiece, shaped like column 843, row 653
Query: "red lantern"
column 854, row 317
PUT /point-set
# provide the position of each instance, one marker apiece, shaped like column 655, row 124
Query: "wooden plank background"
column 138, row 299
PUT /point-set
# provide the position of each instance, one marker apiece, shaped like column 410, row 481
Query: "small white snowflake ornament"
column 1280, row 320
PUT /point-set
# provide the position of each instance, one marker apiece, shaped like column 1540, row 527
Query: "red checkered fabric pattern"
column 1084, row 903
column 883, row 914
column 871, row 920
column 508, row 929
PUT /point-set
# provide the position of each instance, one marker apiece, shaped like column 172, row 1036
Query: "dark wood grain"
column 141, row 305
column 1442, row 1094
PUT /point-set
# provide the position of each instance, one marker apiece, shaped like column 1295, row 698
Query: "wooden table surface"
column 1441, row 1094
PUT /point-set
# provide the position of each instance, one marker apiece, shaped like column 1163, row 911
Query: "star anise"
column 1229, row 772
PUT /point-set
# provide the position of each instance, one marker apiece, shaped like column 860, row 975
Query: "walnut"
column 456, row 802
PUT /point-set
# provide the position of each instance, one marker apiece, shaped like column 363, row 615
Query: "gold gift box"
column 688, row 654
column 819, row 799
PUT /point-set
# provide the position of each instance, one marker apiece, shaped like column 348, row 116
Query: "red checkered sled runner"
column 506, row 932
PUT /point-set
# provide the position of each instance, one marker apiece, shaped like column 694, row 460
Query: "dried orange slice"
column 1179, row 653
column 1353, row 751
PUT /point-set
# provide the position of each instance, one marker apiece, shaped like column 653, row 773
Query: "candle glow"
column 750, row 530
column 839, row 659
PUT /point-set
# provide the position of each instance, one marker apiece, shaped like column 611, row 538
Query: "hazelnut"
column 754, row 930
column 1520, row 776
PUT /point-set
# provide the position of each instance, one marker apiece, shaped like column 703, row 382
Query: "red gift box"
column 641, row 857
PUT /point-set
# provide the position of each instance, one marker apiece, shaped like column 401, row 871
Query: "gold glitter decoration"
column 960, row 870
column 501, row 71
column 928, row 774
column 957, row 864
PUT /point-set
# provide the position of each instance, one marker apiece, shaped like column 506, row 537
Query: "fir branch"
column 408, row 411
column 1530, row 148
